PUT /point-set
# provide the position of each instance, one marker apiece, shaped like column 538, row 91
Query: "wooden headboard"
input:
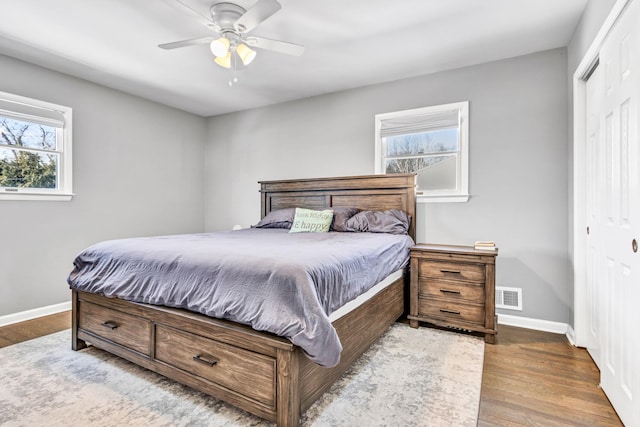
column 369, row 192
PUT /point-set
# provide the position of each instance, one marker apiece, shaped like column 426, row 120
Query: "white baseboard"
column 571, row 336
column 535, row 324
column 503, row 319
column 10, row 319
column 539, row 325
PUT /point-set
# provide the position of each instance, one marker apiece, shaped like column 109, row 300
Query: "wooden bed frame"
column 259, row 372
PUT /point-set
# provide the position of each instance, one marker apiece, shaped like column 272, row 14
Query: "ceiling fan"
column 232, row 23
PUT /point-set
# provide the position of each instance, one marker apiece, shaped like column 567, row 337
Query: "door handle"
column 634, row 245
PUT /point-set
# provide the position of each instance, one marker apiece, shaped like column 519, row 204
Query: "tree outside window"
column 432, row 142
column 35, row 149
column 27, row 154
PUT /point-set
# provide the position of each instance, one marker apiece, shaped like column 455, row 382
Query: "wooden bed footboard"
column 259, row 372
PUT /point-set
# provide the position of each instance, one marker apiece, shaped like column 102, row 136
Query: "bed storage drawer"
column 113, row 325
column 250, row 374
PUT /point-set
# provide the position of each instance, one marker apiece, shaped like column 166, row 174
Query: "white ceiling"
column 349, row 43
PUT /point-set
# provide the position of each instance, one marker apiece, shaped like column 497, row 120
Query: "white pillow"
column 310, row 221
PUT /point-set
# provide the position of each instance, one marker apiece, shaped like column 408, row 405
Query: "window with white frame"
column 433, row 142
column 35, row 149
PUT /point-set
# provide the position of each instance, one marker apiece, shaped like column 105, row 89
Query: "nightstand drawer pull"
column 202, row 359
column 109, row 324
column 444, row 310
column 450, row 271
column 449, row 291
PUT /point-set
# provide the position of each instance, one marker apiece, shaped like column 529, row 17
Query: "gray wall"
column 138, row 170
column 520, row 184
column 518, row 161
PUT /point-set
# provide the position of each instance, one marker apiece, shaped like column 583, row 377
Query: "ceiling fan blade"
column 275, row 45
column 192, row 10
column 256, row 14
column 183, row 43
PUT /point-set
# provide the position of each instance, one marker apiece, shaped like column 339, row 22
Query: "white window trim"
column 65, row 190
column 462, row 184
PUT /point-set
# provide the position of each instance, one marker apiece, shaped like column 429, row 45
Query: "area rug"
column 418, row 377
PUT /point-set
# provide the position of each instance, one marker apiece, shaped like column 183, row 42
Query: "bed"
column 260, row 372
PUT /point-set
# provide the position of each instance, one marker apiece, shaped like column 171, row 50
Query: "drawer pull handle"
column 445, row 271
column 449, row 291
column 109, row 324
column 203, row 359
column 444, row 310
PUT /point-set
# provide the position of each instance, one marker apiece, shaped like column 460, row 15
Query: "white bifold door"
column 613, row 215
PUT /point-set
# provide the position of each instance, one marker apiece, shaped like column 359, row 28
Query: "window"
column 35, row 149
column 431, row 141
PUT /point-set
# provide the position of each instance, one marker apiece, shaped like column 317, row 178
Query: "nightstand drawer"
column 452, row 271
column 450, row 310
column 452, row 290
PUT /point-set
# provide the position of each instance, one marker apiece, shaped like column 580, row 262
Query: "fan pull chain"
column 234, row 79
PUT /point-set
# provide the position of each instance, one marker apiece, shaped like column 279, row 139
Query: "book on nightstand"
column 485, row 245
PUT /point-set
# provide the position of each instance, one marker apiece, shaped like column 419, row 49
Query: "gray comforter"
column 284, row 283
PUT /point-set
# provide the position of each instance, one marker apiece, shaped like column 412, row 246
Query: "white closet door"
column 619, row 259
column 594, row 213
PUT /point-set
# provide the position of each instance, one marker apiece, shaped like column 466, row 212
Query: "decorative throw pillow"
column 281, row 218
column 340, row 217
column 393, row 221
column 310, row 221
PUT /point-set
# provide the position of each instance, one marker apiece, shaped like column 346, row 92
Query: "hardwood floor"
column 530, row 378
column 35, row 328
column 534, row 378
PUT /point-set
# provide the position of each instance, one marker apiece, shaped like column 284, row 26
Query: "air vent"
column 509, row 298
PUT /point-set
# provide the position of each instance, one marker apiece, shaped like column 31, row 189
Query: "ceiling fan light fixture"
column 232, row 23
column 224, row 61
column 245, row 53
column 220, row 47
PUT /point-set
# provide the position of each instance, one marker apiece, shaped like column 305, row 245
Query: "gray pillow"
column 393, row 221
column 340, row 217
column 281, row 218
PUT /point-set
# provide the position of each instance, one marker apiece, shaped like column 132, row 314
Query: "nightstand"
column 453, row 286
